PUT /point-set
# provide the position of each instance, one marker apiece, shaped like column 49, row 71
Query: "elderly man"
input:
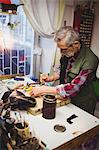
column 78, row 65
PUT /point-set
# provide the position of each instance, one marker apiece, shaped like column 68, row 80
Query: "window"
column 16, row 43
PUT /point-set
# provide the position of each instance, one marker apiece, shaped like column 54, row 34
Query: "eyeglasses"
column 68, row 47
column 57, row 39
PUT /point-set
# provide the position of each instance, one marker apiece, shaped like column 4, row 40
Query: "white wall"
column 95, row 37
column 69, row 15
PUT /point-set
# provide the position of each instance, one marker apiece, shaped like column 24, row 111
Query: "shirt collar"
column 72, row 59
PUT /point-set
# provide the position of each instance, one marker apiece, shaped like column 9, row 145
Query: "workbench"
column 84, row 127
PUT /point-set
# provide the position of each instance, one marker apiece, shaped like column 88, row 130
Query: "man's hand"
column 43, row 78
column 37, row 91
column 41, row 90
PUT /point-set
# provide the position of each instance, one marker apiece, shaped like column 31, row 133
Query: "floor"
column 97, row 110
column 97, row 115
column 97, row 146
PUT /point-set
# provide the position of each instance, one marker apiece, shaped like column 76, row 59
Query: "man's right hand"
column 44, row 78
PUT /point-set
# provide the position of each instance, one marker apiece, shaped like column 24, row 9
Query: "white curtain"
column 45, row 16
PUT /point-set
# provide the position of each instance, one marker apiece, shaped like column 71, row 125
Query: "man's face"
column 68, row 50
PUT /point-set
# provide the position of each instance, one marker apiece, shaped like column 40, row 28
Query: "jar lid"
column 49, row 98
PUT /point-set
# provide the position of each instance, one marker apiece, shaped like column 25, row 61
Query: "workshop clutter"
column 16, row 133
column 17, row 100
column 15, row 130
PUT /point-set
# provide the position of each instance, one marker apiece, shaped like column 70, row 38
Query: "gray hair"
column 68, row 33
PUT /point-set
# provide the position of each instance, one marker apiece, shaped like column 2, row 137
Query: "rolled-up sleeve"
column 70, row 89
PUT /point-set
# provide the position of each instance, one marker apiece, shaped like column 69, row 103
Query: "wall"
column 95, row 38
column 69, row 15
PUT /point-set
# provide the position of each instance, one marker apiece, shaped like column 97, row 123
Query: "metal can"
column 49, row 106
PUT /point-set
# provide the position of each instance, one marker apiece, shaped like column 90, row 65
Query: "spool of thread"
column 49, row 106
